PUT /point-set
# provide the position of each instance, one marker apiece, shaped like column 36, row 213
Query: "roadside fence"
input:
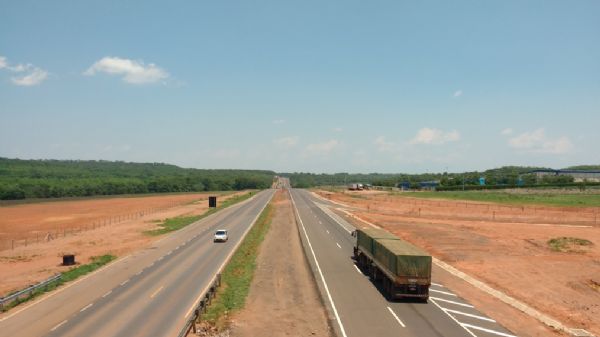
column 50, row 235
column 207, row 298
column 27, row 291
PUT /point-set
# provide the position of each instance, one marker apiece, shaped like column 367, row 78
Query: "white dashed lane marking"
column 124, row 282
column 58, row 325
column 108, row 293
column 86, row 307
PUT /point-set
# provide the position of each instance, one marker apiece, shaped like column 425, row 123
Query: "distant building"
column 429, row 185
column 578, row 175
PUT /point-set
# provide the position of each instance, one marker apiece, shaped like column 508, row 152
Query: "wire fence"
column 467, row 210
column 31, row 238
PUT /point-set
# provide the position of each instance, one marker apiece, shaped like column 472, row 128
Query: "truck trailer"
column 403, row 269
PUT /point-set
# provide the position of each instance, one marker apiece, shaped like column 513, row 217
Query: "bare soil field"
column 86, row 228
column 283, row 298
column 507, row 250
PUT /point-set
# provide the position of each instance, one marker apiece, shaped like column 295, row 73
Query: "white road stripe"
column 451, row 317
column 437, row 285
column 108, row 293
column 327, row 232
column 169, row 253
column 124, row 282
column 157, row 291
column 470, row 315
column 338, row 245
column 86, row 307
column 58, row 325
column 442, row 292
column 337, row 316
column 470, row 326
column 358, row 270
column 396, row 317
column 453, row 302
column 160, row 258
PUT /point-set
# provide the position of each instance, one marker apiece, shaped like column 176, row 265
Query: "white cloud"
column 435, row 136
column 34, row 74
column 506, row 132
column 322, row 148
column 338, row 129
column 278, row 121
column 458, row 93
column 536, row 141
column 286, row 142
column 35, row 77
column 134, row 72
column 383, row 145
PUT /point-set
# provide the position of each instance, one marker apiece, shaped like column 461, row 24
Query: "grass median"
column 176, row 223
column 67, row 276
column 238, row 273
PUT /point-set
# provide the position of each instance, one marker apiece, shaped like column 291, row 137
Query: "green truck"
column 403, row 269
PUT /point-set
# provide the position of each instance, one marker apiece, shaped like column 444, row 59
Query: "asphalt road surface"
column 357, row 305
column 149, row 293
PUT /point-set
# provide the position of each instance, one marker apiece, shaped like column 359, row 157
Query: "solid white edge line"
column 358, row 270
column 86, row 307
column 58, row 325
column 335, row 312
column 334, row 219
column 443, row 292
column 471, row 326
column 197, row 301
column 437, row 285
column 396, row 317
column 451, row 317
column 470, row 315
column 452, row 302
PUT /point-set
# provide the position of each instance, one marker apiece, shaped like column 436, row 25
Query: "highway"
column 356, row 305
column 149, row 293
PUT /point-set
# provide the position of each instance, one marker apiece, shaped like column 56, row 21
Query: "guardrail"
column 28, row 291
column 201, row 308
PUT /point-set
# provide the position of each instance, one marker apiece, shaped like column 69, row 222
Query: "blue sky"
column 319, row 86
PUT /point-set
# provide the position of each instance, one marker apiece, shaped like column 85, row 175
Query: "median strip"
column 238, row 273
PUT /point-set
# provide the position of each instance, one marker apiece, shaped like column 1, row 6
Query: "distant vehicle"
column 355, row 187
column 403, row 269
column 221, row 235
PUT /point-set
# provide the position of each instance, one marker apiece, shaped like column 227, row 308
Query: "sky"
column 311, row 86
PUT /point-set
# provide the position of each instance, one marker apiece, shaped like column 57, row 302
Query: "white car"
column 221, row 236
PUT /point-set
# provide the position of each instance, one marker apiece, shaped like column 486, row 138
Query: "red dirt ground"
column 510, row 254
column 25, row 265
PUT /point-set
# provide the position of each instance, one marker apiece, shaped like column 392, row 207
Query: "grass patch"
column 176, row 223
column 554, row 199
column 237, row 275
column 568, row 244
column 67, row 276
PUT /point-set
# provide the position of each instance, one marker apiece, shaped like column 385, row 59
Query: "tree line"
column 508, row 176
column 22, row 179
